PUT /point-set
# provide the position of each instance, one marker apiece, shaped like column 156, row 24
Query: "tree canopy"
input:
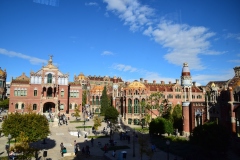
column 160, row 125
column 97, row 122
column 153, row 101
column 177, row 117
column 104, row 101
column 34, row 126
column 77, row 111
column 111, row 114
column 84, row 98
column 211, row 136
column 4, row 103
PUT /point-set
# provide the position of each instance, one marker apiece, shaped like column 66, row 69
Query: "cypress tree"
column 104, row 101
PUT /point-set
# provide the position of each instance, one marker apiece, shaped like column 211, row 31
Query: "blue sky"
column 132, row 39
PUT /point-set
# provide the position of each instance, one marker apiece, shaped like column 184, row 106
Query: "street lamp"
column 84, row 116
column 9, row 138
column 168, row 144
column 134, row 143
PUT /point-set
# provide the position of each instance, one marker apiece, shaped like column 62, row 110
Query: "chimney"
column 170, row 82
column 145, row 81
column 194, row 83
column 154, row 81
column 162, row 82
column 141, row 80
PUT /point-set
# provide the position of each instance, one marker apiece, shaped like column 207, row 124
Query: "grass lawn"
column 141, row 130
column 83, row 127
column 76, row 121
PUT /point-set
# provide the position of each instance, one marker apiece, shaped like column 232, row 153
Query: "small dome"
column 136, row 85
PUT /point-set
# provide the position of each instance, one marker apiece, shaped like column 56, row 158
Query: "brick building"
column 127, row 97
column 47, row 90
column 223, row 102
column 3, row 88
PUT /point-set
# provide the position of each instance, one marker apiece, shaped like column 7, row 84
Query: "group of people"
column 2, row 110
column 83, row 150
column 62, row 118
column 12, row 155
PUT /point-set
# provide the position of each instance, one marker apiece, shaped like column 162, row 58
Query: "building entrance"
column 49, row 107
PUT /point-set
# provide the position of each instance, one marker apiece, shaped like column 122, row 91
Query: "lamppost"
column 168, row 144
column 84, row 117
column 9, row 138
column 134, row 143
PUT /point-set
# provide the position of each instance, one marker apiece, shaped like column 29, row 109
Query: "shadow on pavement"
column 47, row 144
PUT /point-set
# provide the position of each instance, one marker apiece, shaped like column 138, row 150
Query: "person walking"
column 76, row 150
column 114, row 153
column 61, row 148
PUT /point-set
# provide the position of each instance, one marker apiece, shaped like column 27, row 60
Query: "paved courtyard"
column 63, row 134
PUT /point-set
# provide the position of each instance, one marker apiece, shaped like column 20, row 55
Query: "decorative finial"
column 50, row 60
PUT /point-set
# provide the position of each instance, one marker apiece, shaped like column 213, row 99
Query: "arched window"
column 16, row 106
column 22, row 106
column 49, row 92
column 34, row 106
column 61, row 106
column 49, row 78
column 129, row 106
column 70, row 106
column 97, row 100
column 143, row 107
column 93, row 100
column 76, row 106
column 136, row 106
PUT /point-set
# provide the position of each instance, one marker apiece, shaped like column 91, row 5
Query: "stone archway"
column 49, row 107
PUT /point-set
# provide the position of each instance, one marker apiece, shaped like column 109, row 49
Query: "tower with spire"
column 186, row 83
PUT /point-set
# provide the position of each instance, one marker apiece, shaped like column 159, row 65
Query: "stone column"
column 185, row 113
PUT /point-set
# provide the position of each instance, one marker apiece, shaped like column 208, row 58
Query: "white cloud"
column 106, row 53
column 54, row 3
column 235, row 60
column 148, row 75
column 233, row 36
column 91, row 4
column 184, row 43
column 131, row 12
column 32, row 60
column 204, row 79
column 124, row 68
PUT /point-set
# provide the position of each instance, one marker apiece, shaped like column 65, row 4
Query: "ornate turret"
column 186, row 82
column 237, row 71
column 186, row 79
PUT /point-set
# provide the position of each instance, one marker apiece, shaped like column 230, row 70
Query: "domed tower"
column 186, row 82
column 3, row 89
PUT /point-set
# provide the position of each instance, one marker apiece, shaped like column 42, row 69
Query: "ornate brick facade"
column 3, row 89
column 47, row 90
